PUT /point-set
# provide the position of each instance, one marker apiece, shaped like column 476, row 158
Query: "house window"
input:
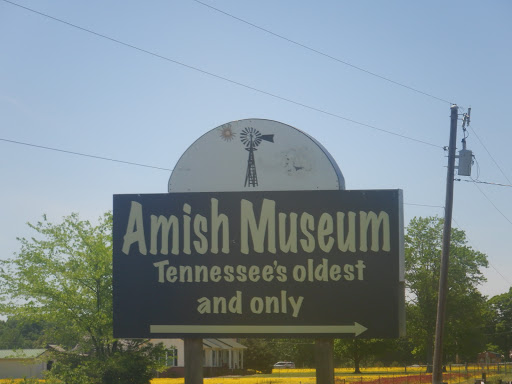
column 171, row 358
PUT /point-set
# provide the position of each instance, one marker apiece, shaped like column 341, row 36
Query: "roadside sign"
column 280, row 264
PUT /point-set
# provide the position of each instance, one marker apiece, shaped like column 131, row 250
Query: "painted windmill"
column 251, row 139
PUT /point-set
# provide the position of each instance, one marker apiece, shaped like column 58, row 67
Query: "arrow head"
column 359, row 328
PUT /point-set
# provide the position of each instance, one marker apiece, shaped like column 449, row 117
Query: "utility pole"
column 437, row 374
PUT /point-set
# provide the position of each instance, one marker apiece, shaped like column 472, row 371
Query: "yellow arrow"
column 355, row 329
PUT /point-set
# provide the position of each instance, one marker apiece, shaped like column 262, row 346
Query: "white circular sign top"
column 255, row 155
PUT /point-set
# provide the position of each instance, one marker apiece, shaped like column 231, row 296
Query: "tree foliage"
column 260, row 354
column 298, row 350
column 132, row 362
column 465, row 304
column 358, row 351
column 19, row 334
column 63, row 277
column 499, row 323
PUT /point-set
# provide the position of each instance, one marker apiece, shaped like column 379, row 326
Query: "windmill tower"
column 251, row 139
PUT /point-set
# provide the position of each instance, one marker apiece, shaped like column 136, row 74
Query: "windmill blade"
column 269, row 138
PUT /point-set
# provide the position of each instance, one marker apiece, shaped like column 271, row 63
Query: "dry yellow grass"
column 17, row 381
column 373, row 375
column 389, row 370
column 343, row 376
column 243, row 380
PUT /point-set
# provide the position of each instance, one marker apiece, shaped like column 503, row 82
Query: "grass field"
column 375, row 375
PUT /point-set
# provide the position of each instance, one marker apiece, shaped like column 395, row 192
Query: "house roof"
column 55, row 347
column 21, row 353
column 215, row 344
column 232, row 343
column 223, row 344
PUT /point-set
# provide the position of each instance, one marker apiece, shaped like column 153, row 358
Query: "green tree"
column 260, row 354
column 358, row 351
column 298, row 350
column 63, row 276
column 499, row 322
column 396, row 351
column 464, row 314
column 19, row 334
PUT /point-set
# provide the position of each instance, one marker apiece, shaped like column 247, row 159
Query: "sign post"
column 324, row 361
column 194, row 360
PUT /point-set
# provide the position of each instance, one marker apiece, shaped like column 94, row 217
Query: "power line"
column 485, row 182
column 490, row 201
column 489, row 153
column 500, row 274
column 425, row 205
column 323, row 53
column 501, row 213
column 476, row 182
column 168, row 169
column 84, row 154
column 223, row 78
column 248, row 87
column 352, row 66
column 493, row 267
column 130, row 162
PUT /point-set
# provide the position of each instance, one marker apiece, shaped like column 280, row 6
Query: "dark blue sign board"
column 280, row 264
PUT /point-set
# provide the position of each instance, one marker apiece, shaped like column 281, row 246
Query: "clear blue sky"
column 66, row 88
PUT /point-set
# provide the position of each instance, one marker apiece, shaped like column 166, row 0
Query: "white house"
column 226, row 353
column 19, row 363
column 218, row 355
